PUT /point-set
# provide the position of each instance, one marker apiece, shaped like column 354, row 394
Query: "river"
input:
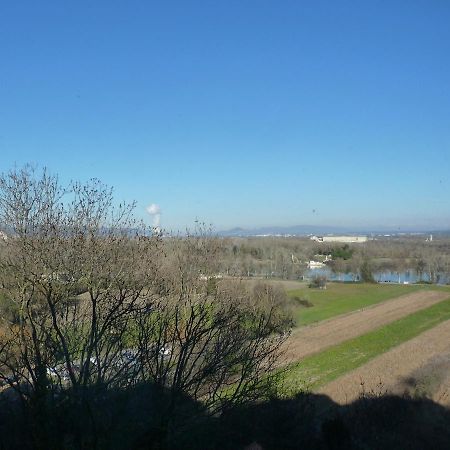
column 404, row 277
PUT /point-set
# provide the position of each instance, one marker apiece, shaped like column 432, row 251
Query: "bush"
column 366, row 272
column 344, row 252
column 320, row 281
column 302, row 301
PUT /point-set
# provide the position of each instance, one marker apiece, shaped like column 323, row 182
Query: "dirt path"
column 393, row 371
column 315, row 338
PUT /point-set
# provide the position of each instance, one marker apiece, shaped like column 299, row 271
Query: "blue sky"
column 238, row 113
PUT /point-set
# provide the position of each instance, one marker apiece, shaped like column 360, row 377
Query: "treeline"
column 265, row 257
column 287, row 257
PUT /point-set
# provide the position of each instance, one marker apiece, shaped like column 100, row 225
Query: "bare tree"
column 63, row 242
column 102, row 303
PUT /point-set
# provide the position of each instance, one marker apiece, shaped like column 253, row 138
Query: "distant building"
column 315, row 264
column 343, row 239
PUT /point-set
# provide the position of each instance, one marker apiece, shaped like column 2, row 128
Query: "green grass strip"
column 321, row 368
column 341, row 298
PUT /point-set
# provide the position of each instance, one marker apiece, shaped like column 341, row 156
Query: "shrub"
column 319, row 281
column 302, row 301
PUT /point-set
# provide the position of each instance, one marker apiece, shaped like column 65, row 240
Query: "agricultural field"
column 416, row 365
column 371, row 338
column 341, row 298
column 314, row 338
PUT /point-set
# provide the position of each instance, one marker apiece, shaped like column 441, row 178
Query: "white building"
column 343, row 239
column 315, row 265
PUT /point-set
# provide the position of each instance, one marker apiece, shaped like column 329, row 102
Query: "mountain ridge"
column 307, row 230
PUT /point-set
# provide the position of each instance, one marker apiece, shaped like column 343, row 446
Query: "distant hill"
column 296, row 230
column 305, row 230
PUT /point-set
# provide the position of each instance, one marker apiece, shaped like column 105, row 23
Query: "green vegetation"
column 318, row 282
column 328, row 365
column 366, row 272
column 340, row 298
column 344, row 252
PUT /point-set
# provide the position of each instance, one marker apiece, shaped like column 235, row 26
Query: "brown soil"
column 442, row 393
column 315, row 338
column 412, row 366
column 430, row 380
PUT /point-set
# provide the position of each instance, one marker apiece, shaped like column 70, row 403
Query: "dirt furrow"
column 315, row 338
column 393, row 370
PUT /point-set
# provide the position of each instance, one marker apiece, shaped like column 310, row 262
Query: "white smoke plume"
column 155, row 211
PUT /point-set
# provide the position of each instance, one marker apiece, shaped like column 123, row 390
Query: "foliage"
column 366, row 272
column 302, row 301
column 344, row 252
column 318, row 282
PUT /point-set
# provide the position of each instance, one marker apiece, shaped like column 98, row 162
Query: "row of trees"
column 93, row 302
column 276, row 257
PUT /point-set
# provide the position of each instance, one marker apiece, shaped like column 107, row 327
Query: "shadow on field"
column 137, row 418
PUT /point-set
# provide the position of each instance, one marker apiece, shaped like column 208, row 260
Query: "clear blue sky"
column 237, row 112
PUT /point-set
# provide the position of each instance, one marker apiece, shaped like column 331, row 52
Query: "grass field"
column 328, row 365
column 340, row 298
